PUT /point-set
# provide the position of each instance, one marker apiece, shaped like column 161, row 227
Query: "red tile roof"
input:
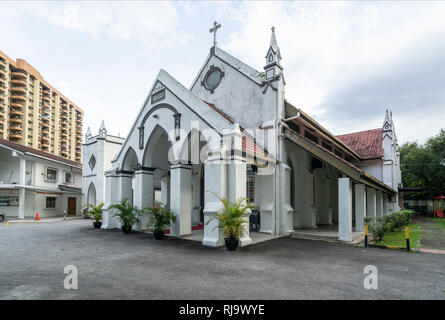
column 368, row 144
column 37, row 152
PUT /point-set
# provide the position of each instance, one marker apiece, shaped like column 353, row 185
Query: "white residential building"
column 34, row 181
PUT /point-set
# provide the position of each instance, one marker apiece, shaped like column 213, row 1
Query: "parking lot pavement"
column 113, row 265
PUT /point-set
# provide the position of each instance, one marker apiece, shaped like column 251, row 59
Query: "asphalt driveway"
column 112, row 265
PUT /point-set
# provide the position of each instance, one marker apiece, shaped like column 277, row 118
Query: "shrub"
column 378, row 227
column 377, row 230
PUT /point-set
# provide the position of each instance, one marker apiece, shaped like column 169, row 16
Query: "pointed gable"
column 239, row 92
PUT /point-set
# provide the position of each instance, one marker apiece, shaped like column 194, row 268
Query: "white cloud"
column 155, row 24
column 327, row 45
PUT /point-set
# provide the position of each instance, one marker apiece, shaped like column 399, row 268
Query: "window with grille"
column 250, row 184
column 50, row 202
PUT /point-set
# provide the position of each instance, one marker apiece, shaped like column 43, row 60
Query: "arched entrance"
column 194, row 153
column 157, row 153
column 91, row 197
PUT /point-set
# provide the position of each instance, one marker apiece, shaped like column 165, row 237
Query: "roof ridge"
column 37, row 152
column 345, row 134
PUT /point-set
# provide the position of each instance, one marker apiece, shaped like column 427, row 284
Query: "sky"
column 344, row 63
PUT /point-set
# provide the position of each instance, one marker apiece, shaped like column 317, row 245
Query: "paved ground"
column 432, row 236
column 113, row 265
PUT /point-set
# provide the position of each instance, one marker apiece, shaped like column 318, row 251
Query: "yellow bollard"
column 366, row 235
column 407, row 239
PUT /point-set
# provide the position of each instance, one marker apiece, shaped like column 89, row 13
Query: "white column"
column 370, row 203
column 215, row 184
column 22, row 192
column 379, row 204
column 236, row 174
column 165, row 191
column 143, row 194
column 181, row 198
column 385, row 204
column 108, row 221
column 344, row 209
column 287, row 212
column 360, row 207
column 118, row 187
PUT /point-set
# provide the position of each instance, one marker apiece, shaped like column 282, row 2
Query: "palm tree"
column 95, row 211
column 127, row 214
column 232, row 218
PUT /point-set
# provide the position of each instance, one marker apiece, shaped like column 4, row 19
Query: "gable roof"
column 38, row 153
column 236, row 64
column 368, row 144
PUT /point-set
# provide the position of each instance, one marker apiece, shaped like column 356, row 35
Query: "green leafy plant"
column 95, row 211
column 378, row 227
column 159, row 216
column 126, row 212
column 232, row 216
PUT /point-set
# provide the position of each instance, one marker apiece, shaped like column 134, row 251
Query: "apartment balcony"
column 3, row 72
column 19, row 82
column 18, row 75
column 16, row 135
column 16, row 105
column 15, row 120
column 14, row 126
column 47, row 99
column 2, row 63
column 64, row 117
column 16, row 112
column 19, row 90
column 16, row 97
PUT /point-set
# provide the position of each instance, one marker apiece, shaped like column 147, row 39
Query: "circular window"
column 213, row 78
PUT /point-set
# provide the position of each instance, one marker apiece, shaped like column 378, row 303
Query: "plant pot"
column 231, row 243
column 97, row 224
column 126, row 229
column 159, row 235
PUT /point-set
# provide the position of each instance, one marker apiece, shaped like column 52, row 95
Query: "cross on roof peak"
column 216, row 26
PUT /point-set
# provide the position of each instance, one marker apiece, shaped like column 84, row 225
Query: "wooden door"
column 72, row 206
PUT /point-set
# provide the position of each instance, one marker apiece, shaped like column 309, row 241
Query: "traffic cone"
column 37, row 216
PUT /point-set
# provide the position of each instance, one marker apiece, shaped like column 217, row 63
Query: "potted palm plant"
column 96, row 213
column 159, row 219
column 231, row 220
column 127, row 214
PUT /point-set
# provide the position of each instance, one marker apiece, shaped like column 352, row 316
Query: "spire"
column 274, row 45
column 387, row 119
column 273, row 67
column 102, row 126
column 88, row 134
column 102, row 130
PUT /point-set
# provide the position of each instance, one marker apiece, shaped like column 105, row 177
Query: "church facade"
column 233, row 134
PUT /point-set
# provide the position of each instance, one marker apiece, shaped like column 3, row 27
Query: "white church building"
column 233, row 134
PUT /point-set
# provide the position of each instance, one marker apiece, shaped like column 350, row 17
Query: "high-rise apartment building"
column 35, row 114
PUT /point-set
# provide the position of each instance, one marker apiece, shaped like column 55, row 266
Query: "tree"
column 423, row 166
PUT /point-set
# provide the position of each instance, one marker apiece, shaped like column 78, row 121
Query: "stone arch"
column 158, row 150
column 194, row 148
column 130, row 161
column 91, row 196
